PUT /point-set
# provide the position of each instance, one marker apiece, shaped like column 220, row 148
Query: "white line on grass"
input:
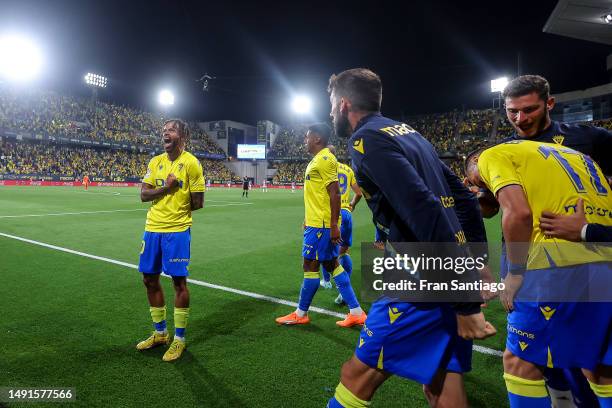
column 70, row 213
column 477, row 348
column 106, row 211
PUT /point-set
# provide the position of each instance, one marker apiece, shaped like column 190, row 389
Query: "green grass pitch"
column 72, row 321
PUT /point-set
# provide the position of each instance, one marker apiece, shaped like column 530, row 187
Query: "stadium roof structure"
column 581, row 19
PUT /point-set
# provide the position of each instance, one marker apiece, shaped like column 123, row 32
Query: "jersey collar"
column 322, row 151
column 546, row 134
column 178, row 157
column 366, row 119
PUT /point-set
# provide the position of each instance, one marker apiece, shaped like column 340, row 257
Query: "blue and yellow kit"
column 552, row 331
column 592, row 141
column 413, row 197
column 320, row 173
column 346, row 180
column 166, row 241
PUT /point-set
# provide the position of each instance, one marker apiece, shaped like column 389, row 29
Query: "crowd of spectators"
column 477, row 122
column 438, row 128
column 62, row 160
column 21, row 158
column 290, row 172
column 47, row 113
column 216, row 171
column 289, row 145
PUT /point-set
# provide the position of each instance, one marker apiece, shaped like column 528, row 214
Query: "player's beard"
column 342, row 127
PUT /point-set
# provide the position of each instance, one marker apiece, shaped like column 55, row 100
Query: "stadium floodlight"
column 608, row 18
column 301, row 104
column 20, row 59
column 166, row 98
column 96, row 80
column 499, row 84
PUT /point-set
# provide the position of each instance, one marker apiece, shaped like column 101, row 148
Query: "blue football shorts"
column 413, row 340
column 167, row 252
column 564, row 334
column 317, row 244
column 346, row 228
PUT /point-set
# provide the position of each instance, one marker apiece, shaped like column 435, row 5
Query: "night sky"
column 433, row 56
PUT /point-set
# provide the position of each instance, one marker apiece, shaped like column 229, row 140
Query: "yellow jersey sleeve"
column 195, row 176
column 149, row 177
column 328, row 169
column 497, row 170
column 352, row 181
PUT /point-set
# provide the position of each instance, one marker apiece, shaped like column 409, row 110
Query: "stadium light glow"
column 498, row 85
column 20, row 58
column 608, row 18
column 166, row 98
column 301, row 104
column 96, row 80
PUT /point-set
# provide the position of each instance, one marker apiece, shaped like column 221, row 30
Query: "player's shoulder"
column 583, row 130
column 158, row 158
column 345, row 168
column 326, row 158
column 377, row 131
column 191, row 159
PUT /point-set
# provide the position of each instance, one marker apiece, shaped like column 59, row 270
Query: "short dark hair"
column 526, row 84
column 466, row 161
column 322, row 130
column 182, row 127
column 361, row 86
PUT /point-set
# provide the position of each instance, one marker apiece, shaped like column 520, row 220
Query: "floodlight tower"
column 95, row 82
column 166, row 100
column 301, row 106
column 20, row 59
column 497, row 87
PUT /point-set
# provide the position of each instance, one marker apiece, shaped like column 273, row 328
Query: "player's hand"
column 512, row 285
column 564, row 226
column 487, row 277
column 474, row 326
column 171, row 181
column 379, row 245
column 351, row 207
column 335, row 234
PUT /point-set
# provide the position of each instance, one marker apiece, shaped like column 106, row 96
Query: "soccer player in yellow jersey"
column 175, row 184
column 321, row 232
column 347, row 183
column 550, row 324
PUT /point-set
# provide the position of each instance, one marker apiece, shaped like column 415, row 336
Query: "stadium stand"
column 44, row 160
column 46, row 115
column 49, row 114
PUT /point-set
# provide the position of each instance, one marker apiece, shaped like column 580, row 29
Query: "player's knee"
column 151, row 282
column 510, row 362
column 601, row 375
column 348, row 372
column 180, row 284
column 521, row 368
column 331, row 265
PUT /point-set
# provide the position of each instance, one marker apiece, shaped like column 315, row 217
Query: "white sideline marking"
column 70, row 213
column 477, row 348
column 105, row 211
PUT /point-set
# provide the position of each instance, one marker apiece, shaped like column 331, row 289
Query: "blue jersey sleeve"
column 412, row 201
column 603, row 144
column 467, row 210
column 598, row 233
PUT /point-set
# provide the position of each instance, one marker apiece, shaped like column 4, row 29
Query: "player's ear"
column 345, row 105
column 550, row 103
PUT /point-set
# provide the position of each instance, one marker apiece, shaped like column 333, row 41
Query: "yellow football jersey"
column 553, row 178
column 172, row 212
column 320, row 173
column 346, row 179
